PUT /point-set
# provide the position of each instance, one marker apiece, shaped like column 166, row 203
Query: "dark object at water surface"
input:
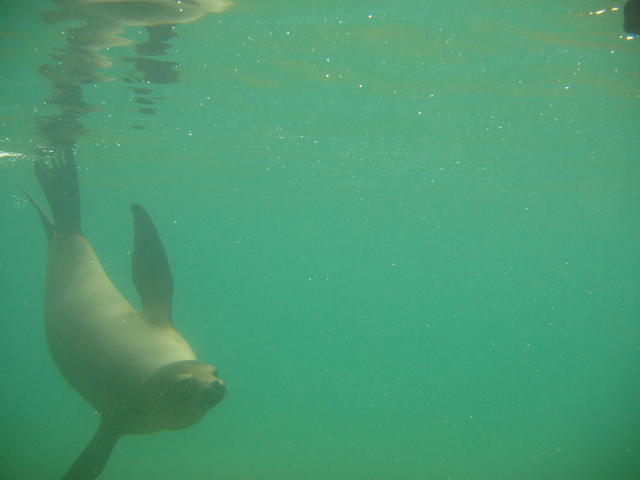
column 632, row 17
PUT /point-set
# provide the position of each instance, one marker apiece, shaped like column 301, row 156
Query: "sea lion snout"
column 185, row 391
column 214, row 393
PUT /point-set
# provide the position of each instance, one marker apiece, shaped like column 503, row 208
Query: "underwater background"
column 406, row 233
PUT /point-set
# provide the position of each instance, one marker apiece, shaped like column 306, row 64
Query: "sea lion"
column 135, row 369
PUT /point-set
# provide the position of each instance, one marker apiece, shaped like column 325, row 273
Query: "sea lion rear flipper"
column 46, row 220
column 95, row 455
column 59, row 181
column 151, row 272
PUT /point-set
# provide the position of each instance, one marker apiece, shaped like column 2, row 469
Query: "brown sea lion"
column 135, row 369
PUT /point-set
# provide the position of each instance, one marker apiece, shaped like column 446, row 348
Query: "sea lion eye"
column 187, row 380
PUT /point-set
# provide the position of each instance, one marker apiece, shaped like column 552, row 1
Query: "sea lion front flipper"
column 95, row 455
column 151, row 272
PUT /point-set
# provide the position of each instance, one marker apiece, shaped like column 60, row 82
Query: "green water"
column 405, row 232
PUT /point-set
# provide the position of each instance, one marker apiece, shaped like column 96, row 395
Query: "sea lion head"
column 182, row 392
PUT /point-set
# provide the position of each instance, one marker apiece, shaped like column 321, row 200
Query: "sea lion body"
column 133, row 367
column 105, row 349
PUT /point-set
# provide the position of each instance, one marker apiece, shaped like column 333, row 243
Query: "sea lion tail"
column 94, row 457
column 46, row 221
column 58, row 178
